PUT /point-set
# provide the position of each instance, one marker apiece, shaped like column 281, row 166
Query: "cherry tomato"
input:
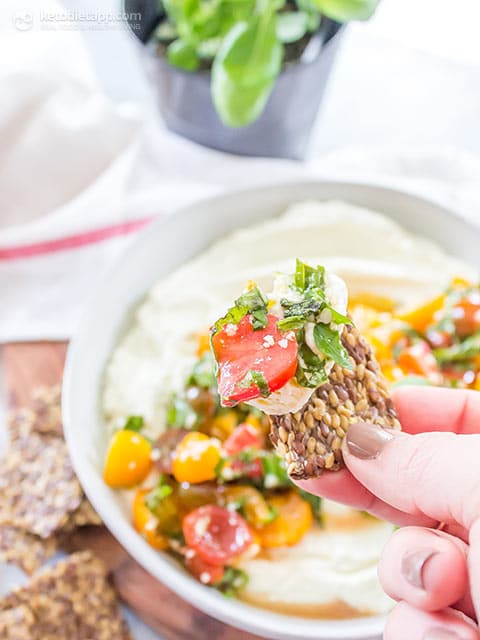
column 128, row 460
column 205, row 572
column 145, row 522
column 466, row 315
column 240, row 350
column 196, row 458
column 244, row 436
column 294, row 519
column 216, row 534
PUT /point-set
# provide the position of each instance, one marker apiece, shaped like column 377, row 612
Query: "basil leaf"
column 182, row 55
column 203, row 373
column 155, row 497
column 294, row 322
column 346, row 10
column 329, row 343
column 259, row 319
column 310, row 371
column 315, row 503
column 258, row 379
column 250, row 302
column 180, row 413
column 274, row 471
column 245, row 69
column 233, row 580
column 134, row 423
column 469, row 348
column 291, row 26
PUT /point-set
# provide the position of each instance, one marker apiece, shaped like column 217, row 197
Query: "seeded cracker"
column 70, row 601
column 17, row 624
column 24, row 549
column 38, row 487
column 310, row 440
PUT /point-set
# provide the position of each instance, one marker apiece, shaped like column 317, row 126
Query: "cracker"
column 24, row 549
column 71, row 601
column 46, row 406
column 84, row 516
column 38, row 487
column 310, row 440
column 17, row 624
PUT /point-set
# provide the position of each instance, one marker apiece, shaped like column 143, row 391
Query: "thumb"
column 431, row 474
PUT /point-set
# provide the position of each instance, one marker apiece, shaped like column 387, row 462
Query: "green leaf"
column 134, row 423
column 346, row 10
column 258, row 379
column 252, row 301
column 274, row 471
column 166, row 32
column 310, row 371
column 329, row 343
column 233, row 580
column 469, row 348
column 182, row 55
column 155, row 497
column 291, row 26
column 315, row 503
column 180, row 413
column 203, row 373
column 245, row 69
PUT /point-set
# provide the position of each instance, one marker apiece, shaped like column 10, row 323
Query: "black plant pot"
column 283, row 129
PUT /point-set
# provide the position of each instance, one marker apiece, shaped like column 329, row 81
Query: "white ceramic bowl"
column 162, row 247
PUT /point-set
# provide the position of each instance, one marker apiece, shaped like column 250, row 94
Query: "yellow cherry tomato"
column 294, row 518
column 128, row 460
column 196, row 457
column 223, row 424
column 145, row 522
column 424, row 315
column 203, row 344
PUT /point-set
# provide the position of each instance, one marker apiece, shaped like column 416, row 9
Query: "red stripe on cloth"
column 74, row 241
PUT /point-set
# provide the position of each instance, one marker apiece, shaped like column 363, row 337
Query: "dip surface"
column 332, row 571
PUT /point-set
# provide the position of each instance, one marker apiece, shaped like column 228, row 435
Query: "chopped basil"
column 180, row 413
column 253, row 302
column 329, row 343
column 134, row 423
column 293, row 322
column 310, row 371
column 315, row 503
column 155, row 497
column 259, row 319
column 469, row 348
column 258, row 379
column 203, row 373
column 274, row 471
column 307, row 276
column 233, row 580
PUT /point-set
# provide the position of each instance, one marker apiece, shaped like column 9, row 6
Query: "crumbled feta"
column 231, row 329
column 283, row 343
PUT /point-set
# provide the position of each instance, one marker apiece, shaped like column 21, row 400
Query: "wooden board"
column 28, row 365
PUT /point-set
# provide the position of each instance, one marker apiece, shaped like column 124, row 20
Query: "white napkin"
column 80, row 175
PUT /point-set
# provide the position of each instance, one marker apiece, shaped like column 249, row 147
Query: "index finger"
column 422, row 409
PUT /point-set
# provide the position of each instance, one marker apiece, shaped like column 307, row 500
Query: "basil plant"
column 244, row 43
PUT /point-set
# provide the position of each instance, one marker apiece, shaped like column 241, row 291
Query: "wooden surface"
column 27, row 365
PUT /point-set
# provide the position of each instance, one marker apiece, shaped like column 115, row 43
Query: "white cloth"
column 79, row 174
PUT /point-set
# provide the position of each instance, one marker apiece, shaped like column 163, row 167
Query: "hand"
column 421, row 477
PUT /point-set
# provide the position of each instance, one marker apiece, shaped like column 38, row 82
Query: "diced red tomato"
column 205, row 572
column 244, row 436
column 239, row 349
column 251, row 469
column 216, row 534
column 466, row 315
column 418, row 359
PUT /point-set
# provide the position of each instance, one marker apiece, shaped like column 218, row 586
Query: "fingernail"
column 413, row 564
column 441, row 634
column 366, row 440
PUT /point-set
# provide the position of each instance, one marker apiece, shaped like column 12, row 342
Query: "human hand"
column 421, row 477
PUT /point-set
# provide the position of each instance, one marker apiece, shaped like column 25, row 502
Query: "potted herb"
column 245, row 76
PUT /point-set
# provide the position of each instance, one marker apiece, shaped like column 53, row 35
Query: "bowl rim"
column 233, row 612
